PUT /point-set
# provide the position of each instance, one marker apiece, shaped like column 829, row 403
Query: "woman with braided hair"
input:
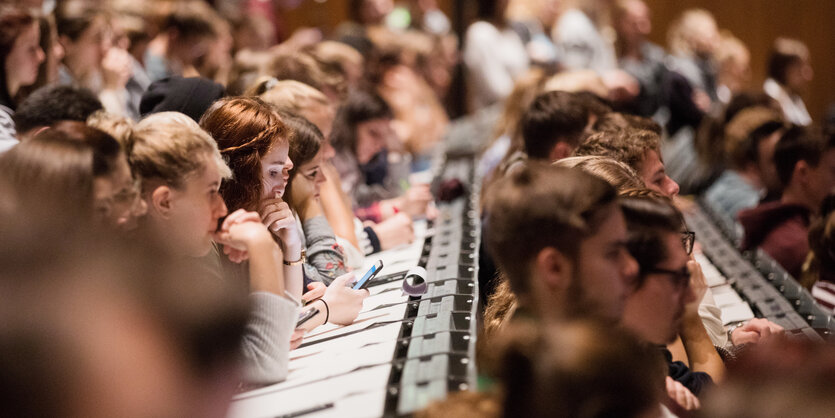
column 255, row 141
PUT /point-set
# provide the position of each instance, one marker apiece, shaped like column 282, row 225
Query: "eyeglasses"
column 679, row 278
column 688, row 238
column 126, row 197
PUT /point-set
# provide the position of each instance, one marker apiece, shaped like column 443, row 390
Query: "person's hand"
column 344, row 303
column 277, row 216
column 416, row 200
column 116, row 68
column 296, row 338
column 315, row 291
column 681, row 395
column 239, row 232
column 698, row 286
column 755, row 331
column 395, row 231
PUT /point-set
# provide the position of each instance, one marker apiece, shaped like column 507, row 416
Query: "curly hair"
column 245, row 129
column 629, row 146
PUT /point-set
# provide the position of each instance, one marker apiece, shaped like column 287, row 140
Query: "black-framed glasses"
column 679, row 278
column 688, row 238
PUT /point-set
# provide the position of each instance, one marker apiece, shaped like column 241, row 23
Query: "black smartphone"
column 305, row 316
column 370, row 274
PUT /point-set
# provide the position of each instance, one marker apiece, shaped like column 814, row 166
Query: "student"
column 560, row 239
column 639, row 149
column 789, row 75
column 553, row 125
column 117, row 202
column 51, row 104
column 294, row 97
column 303, row 192
column 691, row 85
column 182, row 171
column 78, row 170
column 255, row 140
column 750, row 140
column 372, row 173
column 569, row 369
column 639, row 57
column 184, row 37
column 806, row 168
column 50, row 175
column 95, row 326
column 819, row 270
column 20, row 57
column 664, row 299
column 494, row 56
column 90, row 58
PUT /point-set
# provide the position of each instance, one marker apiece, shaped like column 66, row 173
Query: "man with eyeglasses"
column 665, row 297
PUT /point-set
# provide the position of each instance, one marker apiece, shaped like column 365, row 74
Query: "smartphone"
column 305, row 316
column 370, row 274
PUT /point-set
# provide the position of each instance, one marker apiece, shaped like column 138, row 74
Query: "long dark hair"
column 360, row 106
column 305, row 142
column 13, row 22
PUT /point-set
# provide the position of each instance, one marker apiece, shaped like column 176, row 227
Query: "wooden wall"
column 758, row 23
column 755, row 22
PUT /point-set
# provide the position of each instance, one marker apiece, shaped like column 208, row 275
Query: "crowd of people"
column 182, row 179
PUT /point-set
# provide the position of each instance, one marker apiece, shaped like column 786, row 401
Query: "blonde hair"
column 293, row 96
column 332, row 55
column 616, row 173
column 686, row 30
column 119, row 127
column 167, row 146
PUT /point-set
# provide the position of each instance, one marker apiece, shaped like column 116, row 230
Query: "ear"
column 65, row 42
column 161, row 201
column 554, row 268
column 560, row 151
column 801, row 173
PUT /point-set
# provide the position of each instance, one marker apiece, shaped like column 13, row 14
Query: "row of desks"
column 752, row 284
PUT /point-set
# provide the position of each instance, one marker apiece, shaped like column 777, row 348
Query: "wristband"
column 301, row 259
column 327, row 309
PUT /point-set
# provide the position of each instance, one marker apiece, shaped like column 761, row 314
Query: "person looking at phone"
column 256, row 141
column 356, row 237
column 182, row 171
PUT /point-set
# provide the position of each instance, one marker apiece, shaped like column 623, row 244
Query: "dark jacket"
column 781, row 230
column 694, row 381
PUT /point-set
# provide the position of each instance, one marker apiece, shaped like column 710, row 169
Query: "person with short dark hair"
column 553, row 125
column 185, row 36
column 20, row 57
column 559, row 238
column 806, row 168
column 51, row 104
column 664, row 302
column 789, row 74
